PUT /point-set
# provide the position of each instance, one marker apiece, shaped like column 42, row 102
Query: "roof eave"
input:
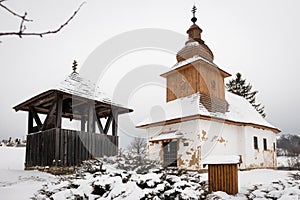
column 21, row 106
column 205, row 117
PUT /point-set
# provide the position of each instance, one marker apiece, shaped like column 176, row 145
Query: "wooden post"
column 30, row 122
column 59, row 102
column 115, row 123
column 115, row 132
column 82, row 123
column 91, row 120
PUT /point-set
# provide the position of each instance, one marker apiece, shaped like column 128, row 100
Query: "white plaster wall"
column 260, row 158
column 220, row 139
column 225, row 139
column 189, row 146
column 202, row 138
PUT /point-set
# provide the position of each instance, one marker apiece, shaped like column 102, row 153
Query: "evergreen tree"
column 239, row 87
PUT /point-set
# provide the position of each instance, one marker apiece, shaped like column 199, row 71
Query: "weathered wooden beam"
column 43, row 101
column 33, row 100
column 48, row 102
column 83, row 120
column 91, row 120
column 49, row 115
column 41, row 110
column 30, row 122
column 108, row 122
column 101, row 111
column 73, row 116
column 57, row 146
column 115, row 122
column 36, row 117
column 102, row 105
column 59, row 104
column 101, row 130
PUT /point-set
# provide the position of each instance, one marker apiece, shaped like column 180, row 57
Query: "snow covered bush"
column 125, row 177
column 131, row 162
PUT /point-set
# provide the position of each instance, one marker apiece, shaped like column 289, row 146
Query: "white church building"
column 202, row 120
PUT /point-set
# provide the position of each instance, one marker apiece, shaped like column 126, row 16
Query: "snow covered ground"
column 16, row 183
column 113, row 178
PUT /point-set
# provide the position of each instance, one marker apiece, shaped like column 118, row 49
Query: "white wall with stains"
column 260, row 158
column 202, row 138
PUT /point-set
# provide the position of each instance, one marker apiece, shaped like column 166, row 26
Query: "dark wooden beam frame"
column 115, row 122
column 82, row 123
column 36, row 117
column 108, row 122
column 101, row 130
column 49, row 115
column 30, row 123
column 59, row 108
column 91, row 119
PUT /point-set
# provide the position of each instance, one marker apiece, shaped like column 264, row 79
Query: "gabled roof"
column 240, row 112
column 76, row 85
column 76, row 89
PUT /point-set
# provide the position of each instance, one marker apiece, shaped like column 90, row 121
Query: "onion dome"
column 195, row 46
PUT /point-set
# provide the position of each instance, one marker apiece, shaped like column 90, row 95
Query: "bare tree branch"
column 23, row 17
column 22, row 27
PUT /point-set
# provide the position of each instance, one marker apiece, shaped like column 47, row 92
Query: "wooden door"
column 170, row 154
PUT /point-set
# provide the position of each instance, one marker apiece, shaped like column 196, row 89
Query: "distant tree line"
column 288, row 145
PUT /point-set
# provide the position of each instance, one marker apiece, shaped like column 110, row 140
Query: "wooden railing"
column 61, row 147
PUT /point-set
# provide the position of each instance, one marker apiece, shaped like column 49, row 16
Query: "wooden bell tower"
column 196, row 72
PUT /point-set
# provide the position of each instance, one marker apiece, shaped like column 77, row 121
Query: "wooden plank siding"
column 195, row 77
column 223, row 177
column 73, row 147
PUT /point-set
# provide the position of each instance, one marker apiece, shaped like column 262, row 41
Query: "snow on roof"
column 240, row 110
column 190, row 60
column 192, row 44
column 178, row 108
column 167, row 135
column 221, row 159
column 82, row 87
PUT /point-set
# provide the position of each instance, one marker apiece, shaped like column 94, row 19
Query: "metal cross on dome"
column 194, row 19
column 74, row 67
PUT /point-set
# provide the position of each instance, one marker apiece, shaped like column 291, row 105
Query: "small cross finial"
column 194, row 19
column 74, row 67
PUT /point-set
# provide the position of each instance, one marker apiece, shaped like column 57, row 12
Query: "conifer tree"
column 239, row 87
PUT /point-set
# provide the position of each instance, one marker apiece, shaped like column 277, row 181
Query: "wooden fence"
column 60, row 147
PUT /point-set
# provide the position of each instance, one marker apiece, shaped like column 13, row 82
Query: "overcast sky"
column 258, row 38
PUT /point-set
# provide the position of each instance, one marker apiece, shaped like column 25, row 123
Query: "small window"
column 265, row 144
column 255, row 142
column 213, row 85
column 274, row 146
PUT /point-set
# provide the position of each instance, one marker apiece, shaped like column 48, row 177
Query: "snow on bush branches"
column 127, row 176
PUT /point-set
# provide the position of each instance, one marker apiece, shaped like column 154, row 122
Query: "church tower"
column 202, row 120
column 195, row 72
